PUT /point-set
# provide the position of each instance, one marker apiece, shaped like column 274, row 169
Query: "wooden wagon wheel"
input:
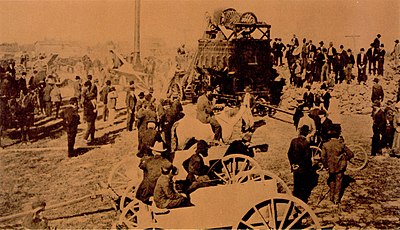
column 265, row 175
column 360, row 159
column 135, row 215
column 122, row 174
column 231, row 168
column 248, row 18
column 129, row 194
column 280, row 212
column 230, row 17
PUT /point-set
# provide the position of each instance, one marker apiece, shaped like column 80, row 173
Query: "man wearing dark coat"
column 381, row 59
column 362, row 66
column 308, row 97
column 348, row 64
column 151, row 166
column 205, row 114
column 150, row 136
column 196, row 168
column 71, row 121
column 165, row 195
column 90, row 114
column 378, row 128
column 241, row 146
column 144, row 115
column 131, row 101
column 377, row 91
column 335, row 155
column 299, row 155
column 326, row 126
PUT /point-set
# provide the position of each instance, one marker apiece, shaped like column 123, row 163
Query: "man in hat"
column 335, row 155
column 362, row 66
column 349, row 62
column 396, row 53
column 144, row 115
column 377, row 41
column 195, row 167
column 331, row 56
column 308, row 97
column 390, row 111
column 378, row 128
column 299, row 155
column 90, row 114
column 326, row 126
column 206, row 115
column 294, row 41
column 131, row 101
column 150, row 136
column 35, row 220
column 377, row 91
column 71, row 121
column 104, row 98
column 165, row 195
column 151, row 166
column 309, row 122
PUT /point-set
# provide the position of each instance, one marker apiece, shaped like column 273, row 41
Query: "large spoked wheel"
column 230, row 17
column 280, row 212
column 122, row 174
column 135, row 215
column 248, row 18
column 316, row 158
column 129, row 194
column 231, row 168
column 360, row 159
column 265, row 175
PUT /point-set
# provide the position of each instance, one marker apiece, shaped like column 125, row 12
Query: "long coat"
column 335, row 155
column 151, row 166
column 299, row 154
column 377, row 93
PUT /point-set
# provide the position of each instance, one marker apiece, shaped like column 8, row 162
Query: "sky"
column 182, row 21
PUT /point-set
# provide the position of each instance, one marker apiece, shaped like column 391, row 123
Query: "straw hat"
column 158, row 147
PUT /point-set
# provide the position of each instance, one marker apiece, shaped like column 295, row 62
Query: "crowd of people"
column 308, row 63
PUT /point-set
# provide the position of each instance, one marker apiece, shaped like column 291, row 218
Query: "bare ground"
column 371, row 200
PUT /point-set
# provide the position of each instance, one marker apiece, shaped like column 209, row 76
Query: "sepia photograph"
column 199, row 114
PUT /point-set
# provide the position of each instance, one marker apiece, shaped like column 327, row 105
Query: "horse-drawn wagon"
column 242, row 197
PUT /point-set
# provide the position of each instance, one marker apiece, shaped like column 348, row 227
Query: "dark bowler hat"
column 397, row 41
column 378, row 35
column 376, row 80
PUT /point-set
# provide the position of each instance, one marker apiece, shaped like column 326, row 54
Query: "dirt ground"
column 371, row 199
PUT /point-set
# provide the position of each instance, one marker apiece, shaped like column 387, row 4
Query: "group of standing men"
column 309, row 63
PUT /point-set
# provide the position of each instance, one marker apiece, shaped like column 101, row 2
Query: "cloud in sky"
column 178, row 21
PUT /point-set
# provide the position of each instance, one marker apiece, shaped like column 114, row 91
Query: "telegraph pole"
column 354, row 40
column 137, row 63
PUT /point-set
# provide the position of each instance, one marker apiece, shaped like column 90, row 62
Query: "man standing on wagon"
column 206, row 115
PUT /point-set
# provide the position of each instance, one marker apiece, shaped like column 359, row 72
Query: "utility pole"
column 136, row 59
column 354, row 40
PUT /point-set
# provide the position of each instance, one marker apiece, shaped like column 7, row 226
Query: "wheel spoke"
column 262, row 217
column 286, row 213
column 297, row 219
column 227, row 170
column 273, row 212
column 122, row 175
column 247, row 224
column 219, row 175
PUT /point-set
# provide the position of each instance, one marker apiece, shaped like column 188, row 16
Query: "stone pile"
column 353, row 98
